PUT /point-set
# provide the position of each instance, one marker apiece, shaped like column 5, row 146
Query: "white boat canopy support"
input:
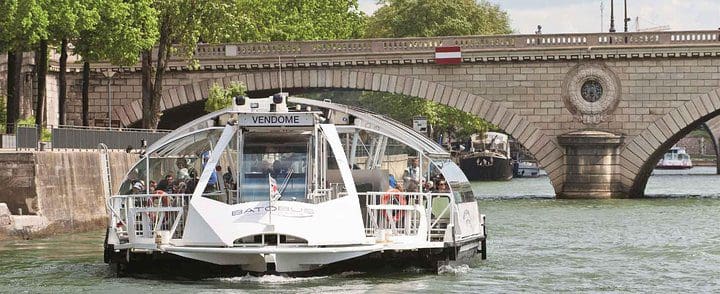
column 331, row 134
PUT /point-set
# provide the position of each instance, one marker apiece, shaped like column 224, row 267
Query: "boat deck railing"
column 138, row 217
column 425, row 216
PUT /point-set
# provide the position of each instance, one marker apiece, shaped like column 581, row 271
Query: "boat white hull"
column 203, row 262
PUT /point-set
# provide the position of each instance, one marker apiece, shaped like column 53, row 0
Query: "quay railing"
column 28, row 137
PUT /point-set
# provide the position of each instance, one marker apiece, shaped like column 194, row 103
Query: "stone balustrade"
column 260, row 55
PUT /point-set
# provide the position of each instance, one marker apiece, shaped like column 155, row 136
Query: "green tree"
column 184, row 23
column 22, row 25
column 124, row 29
column 429, row 18
column 67, row 18
column 220, row 98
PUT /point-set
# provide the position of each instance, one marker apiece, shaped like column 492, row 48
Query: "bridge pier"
column 591, row 165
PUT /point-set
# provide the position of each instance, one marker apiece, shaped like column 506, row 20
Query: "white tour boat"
column 675, row 158
column 263, row 188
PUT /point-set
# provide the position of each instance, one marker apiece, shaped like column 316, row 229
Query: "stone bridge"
column 596, row 110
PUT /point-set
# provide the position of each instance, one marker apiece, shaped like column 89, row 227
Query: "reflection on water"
column 535, row 245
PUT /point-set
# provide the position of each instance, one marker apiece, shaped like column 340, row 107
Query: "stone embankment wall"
column 56, row 191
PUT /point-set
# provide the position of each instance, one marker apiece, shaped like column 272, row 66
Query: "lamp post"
column 109, row 75
column 626, row 18
column 612, row 16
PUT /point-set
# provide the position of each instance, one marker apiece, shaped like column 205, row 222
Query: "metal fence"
column 26, row 137
column 75, row 137
column 88, row 138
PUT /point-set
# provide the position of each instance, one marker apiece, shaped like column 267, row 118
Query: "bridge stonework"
column 656, row 87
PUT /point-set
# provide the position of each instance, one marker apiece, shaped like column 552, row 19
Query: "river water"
column 670, row 243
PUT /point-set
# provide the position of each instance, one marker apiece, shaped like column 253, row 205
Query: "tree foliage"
column 429, row 18
column 22, row 25
column 287, row 20
column 220, row 98
column 403, row 108
column 185, row 23
column 124, row 28
column 67, row 18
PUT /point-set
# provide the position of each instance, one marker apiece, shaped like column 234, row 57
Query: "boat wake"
column 458, row 269
column 268, row 279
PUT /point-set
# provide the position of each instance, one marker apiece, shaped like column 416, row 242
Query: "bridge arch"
column 639, row 157
column 713, row 128
column 541, row 145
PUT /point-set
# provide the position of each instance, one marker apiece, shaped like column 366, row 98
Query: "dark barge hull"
column 486, row 168
column 161, row 265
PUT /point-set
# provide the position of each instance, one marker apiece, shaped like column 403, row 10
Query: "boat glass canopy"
column 310, row 154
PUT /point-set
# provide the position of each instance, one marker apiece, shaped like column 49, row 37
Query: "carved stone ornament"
column 591, row 91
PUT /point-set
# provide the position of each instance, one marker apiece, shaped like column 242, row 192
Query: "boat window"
column 462, row 192
column 388, row 158
column 269, row 158
column 454, row 176
column 176, row 167
column 135, row 180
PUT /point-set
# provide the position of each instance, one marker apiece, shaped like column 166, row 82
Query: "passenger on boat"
column 213, row 181
column 138, row 187
column 427, row 186
column 228, row 179
column 411, row 176
column 153, row 186
column 166, row 184
column 391, row 181
column 412, row 186
column 192, row 181
column 182, row 172
column 263, row 167
column 281, row 166
column 442, row 187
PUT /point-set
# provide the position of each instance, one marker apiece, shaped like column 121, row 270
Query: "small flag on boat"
column 274, row 192
column 448, row 55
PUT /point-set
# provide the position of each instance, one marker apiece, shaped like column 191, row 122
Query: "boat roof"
column 363, row 119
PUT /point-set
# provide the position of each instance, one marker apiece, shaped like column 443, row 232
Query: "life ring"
column 159, row 199
column 393, row 196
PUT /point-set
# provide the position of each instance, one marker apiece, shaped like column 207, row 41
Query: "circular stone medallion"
column 591, row 92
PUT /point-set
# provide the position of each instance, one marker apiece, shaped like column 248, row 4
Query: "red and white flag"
column 448, row 55
column 274, row 192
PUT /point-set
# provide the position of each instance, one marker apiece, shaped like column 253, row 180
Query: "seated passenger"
column 442, row 187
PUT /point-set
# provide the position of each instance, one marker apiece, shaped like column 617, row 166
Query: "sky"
column 583, row 16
